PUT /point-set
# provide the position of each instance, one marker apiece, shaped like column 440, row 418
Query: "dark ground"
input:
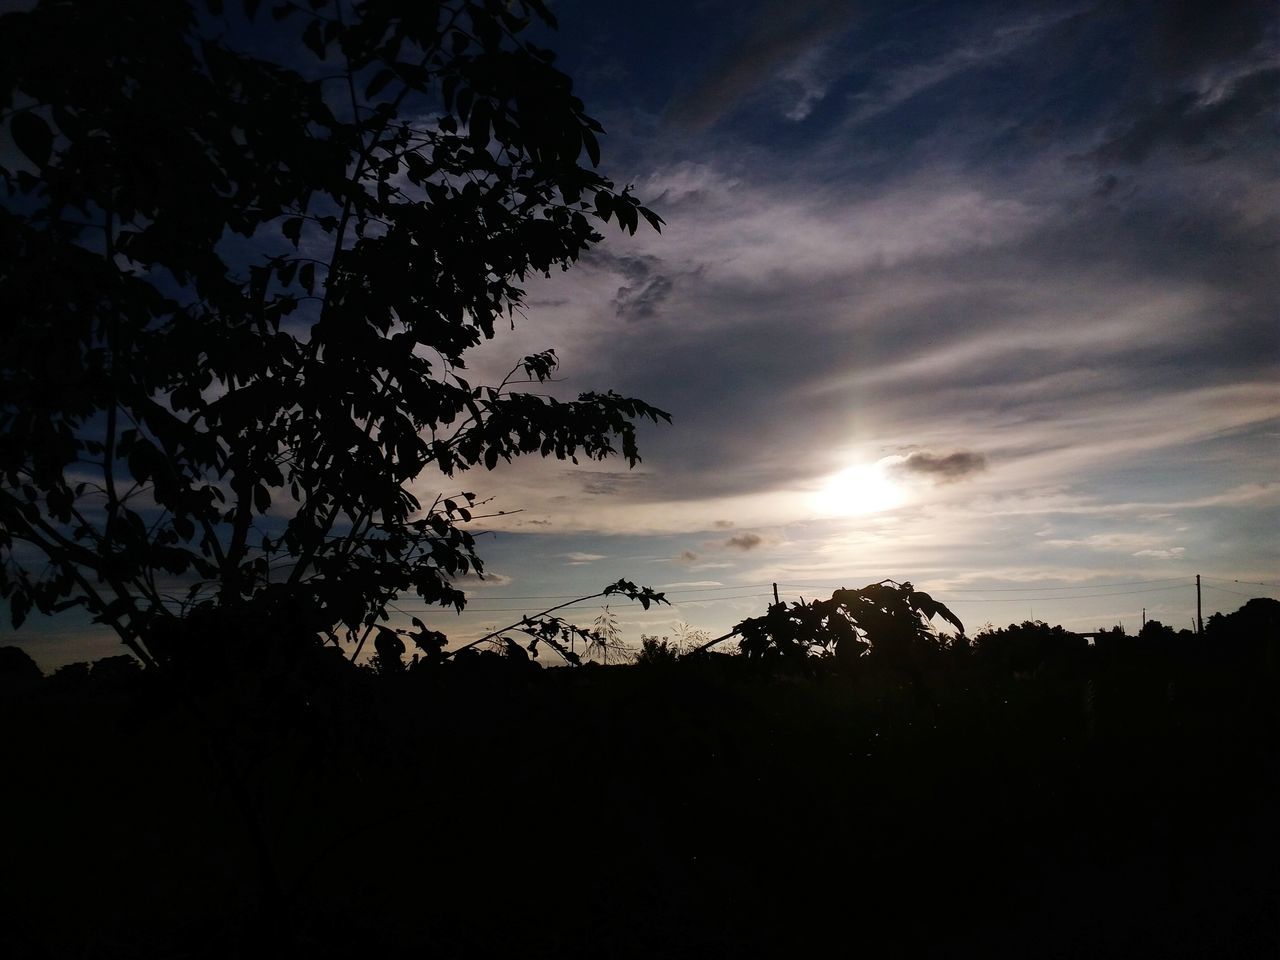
column 680, row 811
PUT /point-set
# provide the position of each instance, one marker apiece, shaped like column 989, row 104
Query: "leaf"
column 307, row 277
column 950, row 617
column 292, row 230
column 33, row 137
column 19, row 605
column 142, row 460
column 379, row 82
column 655, row 221
column 478, row 131
column 604, row 205
column 592, row 146
column 313, row 38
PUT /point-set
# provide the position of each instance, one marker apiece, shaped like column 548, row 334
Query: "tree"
column 887, row 620
column 239, row 289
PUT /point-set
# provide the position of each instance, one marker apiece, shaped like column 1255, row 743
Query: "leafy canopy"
column 244, row 251
column 890, row 621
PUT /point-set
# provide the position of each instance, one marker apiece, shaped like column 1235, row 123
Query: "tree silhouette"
column 239, row 290
column 890, row 621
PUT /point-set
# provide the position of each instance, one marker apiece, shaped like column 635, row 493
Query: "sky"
column 983, row 296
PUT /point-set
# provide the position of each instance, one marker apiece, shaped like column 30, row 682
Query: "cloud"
column 1203, row 80
column 947, row 278
column 1120, row 542
column 945, row 469
column 780, row 32
column 645, row 290
column 473, row 581
column 745, row 541
column 1173, row 553
column 577, row 558
column 603, row 483
column 985, row 47
column 690, row 584
column 805, row 83
column 1198, row 121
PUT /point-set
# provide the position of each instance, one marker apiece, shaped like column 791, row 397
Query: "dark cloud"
column 645, row 289
column 1204, row 78
column 687, row 556
column 1192, row 121
column 948, row 469
column 642, row 300
column 1191, row 35
column 745, row 541
column 779, row 32
column 606, row 483
column 723, row 524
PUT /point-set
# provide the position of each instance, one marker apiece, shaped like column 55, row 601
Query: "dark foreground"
column 689, row 810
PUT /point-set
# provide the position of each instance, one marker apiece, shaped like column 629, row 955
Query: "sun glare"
column 859, row 490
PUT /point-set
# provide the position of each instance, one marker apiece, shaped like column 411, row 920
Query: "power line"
column 570, row 596
column 1251, row 583
column 744, row 596
column 1081, row 596
column 472, row 608
column 1079, row 586
column 1236, row 593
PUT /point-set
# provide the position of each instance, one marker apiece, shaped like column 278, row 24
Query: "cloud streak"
column 777, row 33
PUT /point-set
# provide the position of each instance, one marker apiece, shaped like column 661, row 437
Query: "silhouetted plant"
column 656, row 652
column 238, row 296
column 1023, row 648
column 689, row 638
column 556, row 632
column 606, row 638
column 886, row 620
column 18, row 672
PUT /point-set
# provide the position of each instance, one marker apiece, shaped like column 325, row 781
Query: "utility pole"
column 1199, row 616
column 775, row 594
column 1144, row 618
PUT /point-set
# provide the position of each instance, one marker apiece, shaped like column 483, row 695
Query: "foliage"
column 532, row 780
column 656, row 652
column 1026, row 646
column 887, row 620
column 556, row 632
column 1257, row 621
column 243, row 256
column 606, row 637
column 688, row 638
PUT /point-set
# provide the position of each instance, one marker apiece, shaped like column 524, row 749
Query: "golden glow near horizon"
column 862, row 489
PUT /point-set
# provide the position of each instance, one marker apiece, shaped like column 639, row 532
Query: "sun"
column 858, row 490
